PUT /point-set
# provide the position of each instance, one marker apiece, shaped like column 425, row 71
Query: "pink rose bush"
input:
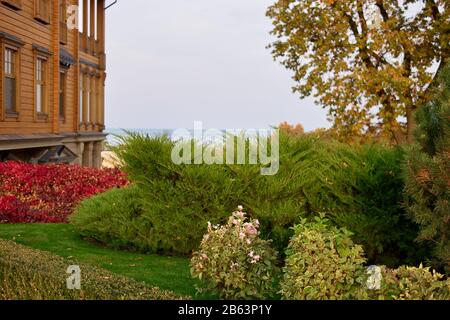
column 234, row 262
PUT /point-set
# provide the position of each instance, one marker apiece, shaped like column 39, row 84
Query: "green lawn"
column 170, row 273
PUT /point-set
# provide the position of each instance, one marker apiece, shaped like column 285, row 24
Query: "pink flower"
column 241, row 236
column 250, row 229
column 238, row 214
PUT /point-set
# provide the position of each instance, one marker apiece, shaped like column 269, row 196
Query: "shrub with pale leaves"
column 234, row 262
column 409, row 283
column 322, row 263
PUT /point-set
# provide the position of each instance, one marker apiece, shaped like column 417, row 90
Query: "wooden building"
column 52, row 81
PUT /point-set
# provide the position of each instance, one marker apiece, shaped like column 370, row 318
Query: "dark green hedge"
column 28, row 274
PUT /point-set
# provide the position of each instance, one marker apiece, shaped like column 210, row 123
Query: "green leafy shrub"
column 409, row 283
column 234, row 261
column 428, row 173
column 322, row 262
column 28, row 274
column 359, row 187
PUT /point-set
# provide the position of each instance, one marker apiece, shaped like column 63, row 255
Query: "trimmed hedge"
column 28, row 274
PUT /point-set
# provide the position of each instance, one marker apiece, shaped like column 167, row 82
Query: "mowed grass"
column 171, row 273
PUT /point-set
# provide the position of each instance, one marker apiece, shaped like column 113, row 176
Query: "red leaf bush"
column 49, row 193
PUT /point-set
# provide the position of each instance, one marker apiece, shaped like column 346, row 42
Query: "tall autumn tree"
column 371, row 63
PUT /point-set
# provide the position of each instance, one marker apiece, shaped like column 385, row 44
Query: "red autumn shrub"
column 49, row 193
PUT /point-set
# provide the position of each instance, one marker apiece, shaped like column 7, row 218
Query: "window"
column 81, row 99
column 13, row 4
column 10, row 98
column 62, row 94
column 41, row 96
column 42, row 10
column 88, row 107
column 87, row 92
column 62, row 22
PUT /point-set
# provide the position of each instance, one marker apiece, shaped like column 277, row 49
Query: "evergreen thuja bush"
column 428, row 173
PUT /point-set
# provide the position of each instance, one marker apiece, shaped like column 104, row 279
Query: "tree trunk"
column 410, row 125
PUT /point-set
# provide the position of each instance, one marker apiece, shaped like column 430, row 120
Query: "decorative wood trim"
column 41, row 50
column 89, row 64
column 42, row 116
column 56, row 62
column 11, row 39
column 13, row 4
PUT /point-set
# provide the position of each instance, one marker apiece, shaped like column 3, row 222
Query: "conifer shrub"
column 358, row 187
column 115, row 218
column 428, row 174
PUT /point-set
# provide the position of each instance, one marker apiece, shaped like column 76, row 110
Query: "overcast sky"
column 171, row 63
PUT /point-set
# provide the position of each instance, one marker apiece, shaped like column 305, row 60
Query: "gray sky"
column 171, row 63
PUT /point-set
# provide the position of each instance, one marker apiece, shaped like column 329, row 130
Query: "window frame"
column 62, row 85
column 42, row 54
column 43, row 113
column 63, row 31
column 10, row 114
column 38, row 14
column 15, row 43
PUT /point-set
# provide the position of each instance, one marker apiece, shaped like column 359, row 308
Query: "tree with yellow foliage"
column 371, row 63
column 290, row 129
